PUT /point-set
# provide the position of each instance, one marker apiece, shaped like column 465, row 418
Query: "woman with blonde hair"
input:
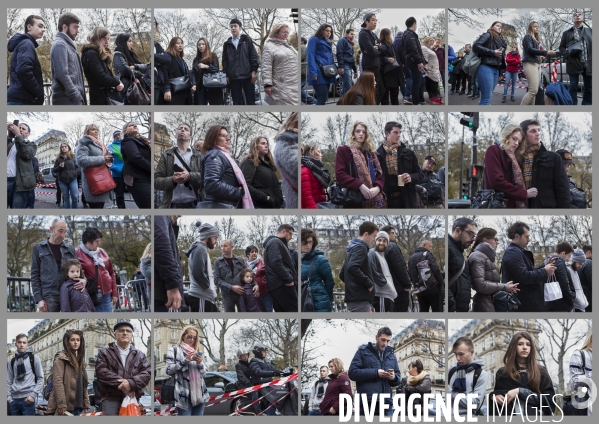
column 357, row 168
column 503, row 173
column 532, row 56
column 67, row 170
column 260, row 174
column 279, row 68
column 286, row 151
column 581, row 368
column 90, row 152
column 433, row 74
column 178, row 87
column 186, row 362
column 96, row 60
column 339, row 384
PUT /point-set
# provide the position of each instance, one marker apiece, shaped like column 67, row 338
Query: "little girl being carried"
column 72, row 300
column 247, row 302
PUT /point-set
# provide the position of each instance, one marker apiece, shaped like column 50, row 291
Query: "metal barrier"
column 336, row 90
column 339, row 304
column 19, row 295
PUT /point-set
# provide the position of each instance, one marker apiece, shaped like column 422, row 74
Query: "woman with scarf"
column 484, row 273
column 67, row 170
column 256, row 264
column 339, row 384
column 286, row 151
column 317, row 269
column 522, row 377
column 185, row 362
column 70, row 377
column 260, row 174
column 92, row 152
column 224, row 182
column 503, row 173
column 357, row 168
column 416, row 381
column 490, row 47
column 315, row 178
column 581, row 367
column 137, row 168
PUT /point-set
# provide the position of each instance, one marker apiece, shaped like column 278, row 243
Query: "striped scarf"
column 529, row 156
column 391, row 159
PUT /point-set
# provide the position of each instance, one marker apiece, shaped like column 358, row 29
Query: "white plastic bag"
column 552, row 289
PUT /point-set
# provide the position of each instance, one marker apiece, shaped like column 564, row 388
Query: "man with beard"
column 67, row 75
column 201, row 296
column 384, row 290
column 399, row 271
column 281, row 271
column 461, row 237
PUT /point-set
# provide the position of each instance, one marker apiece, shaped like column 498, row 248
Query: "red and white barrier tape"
column 92, row 414
column 168, row 412
column 252, row 403
column 277, row 401
column 278, row 382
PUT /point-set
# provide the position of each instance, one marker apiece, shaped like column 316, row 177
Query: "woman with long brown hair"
column 67, row 170
column 532, row 56
column 522, row 377
column 96, row 60
column 357, row 168
column 260, row 174
column 91, row 151
column 179, row 87
column 205, row 62
column 70, row 377
column 388, row 70
column 362, row 92
column 484, row 273
column 490, row 47
column 137, row 168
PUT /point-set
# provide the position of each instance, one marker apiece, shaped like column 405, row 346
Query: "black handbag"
column 180, row 84
column 488, row 199
column 505, row 302
column 390, row 66
column 328, row 70
column 93, row 290
column 214, row 205
column 575, row 48
column 343, row 196
column 137, row 94
column 167, row 391
column 215, row 80
column 568, row 407
column 307, row 300
column 112, row 98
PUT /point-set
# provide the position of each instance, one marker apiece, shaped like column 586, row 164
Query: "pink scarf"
column 246, row 199
column 195, row 380
column 518, row 176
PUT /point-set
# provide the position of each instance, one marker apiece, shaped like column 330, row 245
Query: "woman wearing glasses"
column 279, row 68
column 484, row 273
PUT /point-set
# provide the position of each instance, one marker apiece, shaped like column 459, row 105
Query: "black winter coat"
column 457, row 66
column 198, row 73
column 371, row 57
column 586, row 279
column 220, row 182
column 240, row 62
column 531, row 51
column 562, row 275
column 137, row 157
column 175, row 69
column 357, row 275
column 68, row 172
column 391, row 78
column 573, row 63
column 280, row 267
column 434, row 267
column 261, row 371
column 161, row 61
column 460, row 290
column 411, row 48
column 100, row 80
column 398, row 268
column 167, row 269
column 262, row 181
column 26, row 81
column 549, row 177
column 485, row 49
column 243, row 374
column 125, row 73
column 407, row 162
column 517, row 265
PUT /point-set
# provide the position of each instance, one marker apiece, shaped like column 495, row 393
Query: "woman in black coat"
column 137, row 170
column 390, row 75
column 490, row 47
column 126, row 64
column 177, row 68
column 96, row 59
column 260, row 174
column 161, row 61
column 205, row 62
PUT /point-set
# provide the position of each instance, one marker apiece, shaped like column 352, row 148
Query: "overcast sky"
column 391, row 17
column 491, row 221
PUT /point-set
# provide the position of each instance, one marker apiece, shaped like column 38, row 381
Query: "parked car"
column 146, row 401
column 48, row 178
column 218, row 383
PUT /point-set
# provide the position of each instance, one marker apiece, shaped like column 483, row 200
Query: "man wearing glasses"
column 543, row 170
column 577, row 47
column 463, row 233
column 122, row 370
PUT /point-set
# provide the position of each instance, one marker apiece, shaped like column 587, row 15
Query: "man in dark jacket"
column 544, row 171
column 242, row 369
column 262, row 372
column 226, row 276
column 281, row 272
column 20, row 175
column 414, row 58
column 168, row 276
column 371, row 56
column 399, row 271
column 345, row 59
column 431, row 191
column 580, row 63
column 355, row 271
column 162, row 60
column 400, row 168
column 240, row 63
column 463, row 233
column 26, row 82
column 432, row 298
column 563, row 252
column 578, row 198
column 518, row 266
column 122, row 370
column 405, row 77
column 375, row 370
column 586, row 276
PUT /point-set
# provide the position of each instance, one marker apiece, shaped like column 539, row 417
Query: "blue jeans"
column 76, row 412
column 70, row 194
column 510, row 76
column 587, row 94
column 31, row 199
column 314, row 412
column 322, row 93
column 16, row 199
column 486, row 77
column 408, row 74
column 9, row 103
column 306, row 98
column 20, row 407
column 417, row 83
column 267, row 301
column 194, row 411
column 106, row 305
column 346, row 79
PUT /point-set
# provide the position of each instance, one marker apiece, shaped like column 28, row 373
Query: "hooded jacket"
column 100, row 80
column 25, row 177
column 549, row 177
column 321, row 279
column 365, row 366
column 240, row 62
column 67, row 75
column 480, row 389
column 26, row 81
column 459, row 291
column 201, row 286
column 279, row 71
column 65, row 385
column 163, row 175
column 356, row 273
column 280, row 269
column 566, row 303
column 109, row 368
column 30, row 385
column 338, row 384
column 485, row 277
column 517, row 265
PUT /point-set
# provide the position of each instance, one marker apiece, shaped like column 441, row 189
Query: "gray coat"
column 279, row 71
column 224, row 278
column 201, row 286
column 485, row 277
column 286, row 147
column 46, row 278
column 68, row 87
column 89, row 154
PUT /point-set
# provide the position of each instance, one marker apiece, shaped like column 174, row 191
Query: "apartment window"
column 174, row 333
column 101, row 338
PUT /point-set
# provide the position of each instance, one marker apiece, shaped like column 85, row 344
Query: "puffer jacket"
column 364, row 370
column 356, row 273
column 220, row 182
column 26, row 80
column 68, row 172
column 280, row 268
column 163, row 175
column 100, row 80
column 531, row 51
column 65, row 384
column 24, row 165
column 485, row 277
column 432, row 66
column 262, row 182
column 574, row 65
column 339, row 384
column 312, row 191
column 285, row 156
column 412, row 48
column 279, row 71
column 517, row 265
column 109, row 368
column 512, row 60
column 90, row 154
column 434, row 267
column 106, row 275
column 319, row 52
column 459, row 291
column 321, row 279
column 485, row 49
column 550, row 179
column 422, row 387
column 240, row 62
column 261, row 371
column 566, row 303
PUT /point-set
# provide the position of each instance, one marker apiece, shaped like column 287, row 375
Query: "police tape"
column 252, row 403
column 168, row 412
column 99, row 414
column 278, row 382
column 278, row 400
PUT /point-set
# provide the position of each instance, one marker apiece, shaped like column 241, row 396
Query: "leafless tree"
column 432, row 26
column 565, row 15
column 214, row 336
column 118, row 120
column 340, row 19
column 471, row 17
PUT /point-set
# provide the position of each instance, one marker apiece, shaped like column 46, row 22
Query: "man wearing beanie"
column 240, row 64
column 384, row 290
column 576, row 263
column 202, row 291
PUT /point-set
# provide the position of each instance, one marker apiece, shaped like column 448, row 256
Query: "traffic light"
column 470, row 120
column 475, row 172
column 295, row 15
column 465, row 190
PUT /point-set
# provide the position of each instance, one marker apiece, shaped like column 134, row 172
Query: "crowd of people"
column 385, row 64
column 568, row 269
column 385, row 177
column 120, row 370
column 109, row 74
column 209, row 177
column 205, row 83
column 230, row 283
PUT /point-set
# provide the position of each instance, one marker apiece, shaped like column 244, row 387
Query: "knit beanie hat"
column 578, row 256
column 207, row 231
column 382, row 234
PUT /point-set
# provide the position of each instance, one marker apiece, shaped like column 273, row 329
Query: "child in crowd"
column 72, row 300
column 247, row 301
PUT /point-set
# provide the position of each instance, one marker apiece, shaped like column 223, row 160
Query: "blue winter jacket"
column 116, row 169
column 26, row 82
column 319, row 52
column 450, row 55
column 558, row 92
column 321, row 279
column 345, row 54
column 399, row 53
column 365, row 366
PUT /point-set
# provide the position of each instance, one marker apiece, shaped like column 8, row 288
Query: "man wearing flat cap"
column 121, row 369
column 240, row 64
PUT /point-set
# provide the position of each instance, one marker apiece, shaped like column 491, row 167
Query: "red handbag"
column 99, row 179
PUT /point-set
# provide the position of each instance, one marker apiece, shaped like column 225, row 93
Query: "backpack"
column 477, row 372
column 434, row 191
column 31, row 361
column 49, row 386
column 471, row 62
column 426, row 280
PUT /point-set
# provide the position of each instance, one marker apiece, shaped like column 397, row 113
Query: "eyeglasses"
column 470, row 233
column 224, row 135
column 308, row 242
column 189, row 336
column 125, row 331
column 284, row 32
column 496, row 240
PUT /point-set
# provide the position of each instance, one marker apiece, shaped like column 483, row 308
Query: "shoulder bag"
column 344, row 196
column 307, row 300
column 199, row 195
column 488, row 199
column 92, row 288
column 167, row 391
column 214, row 80
column 137, row 93
column 99, row 179
column 505, row 302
